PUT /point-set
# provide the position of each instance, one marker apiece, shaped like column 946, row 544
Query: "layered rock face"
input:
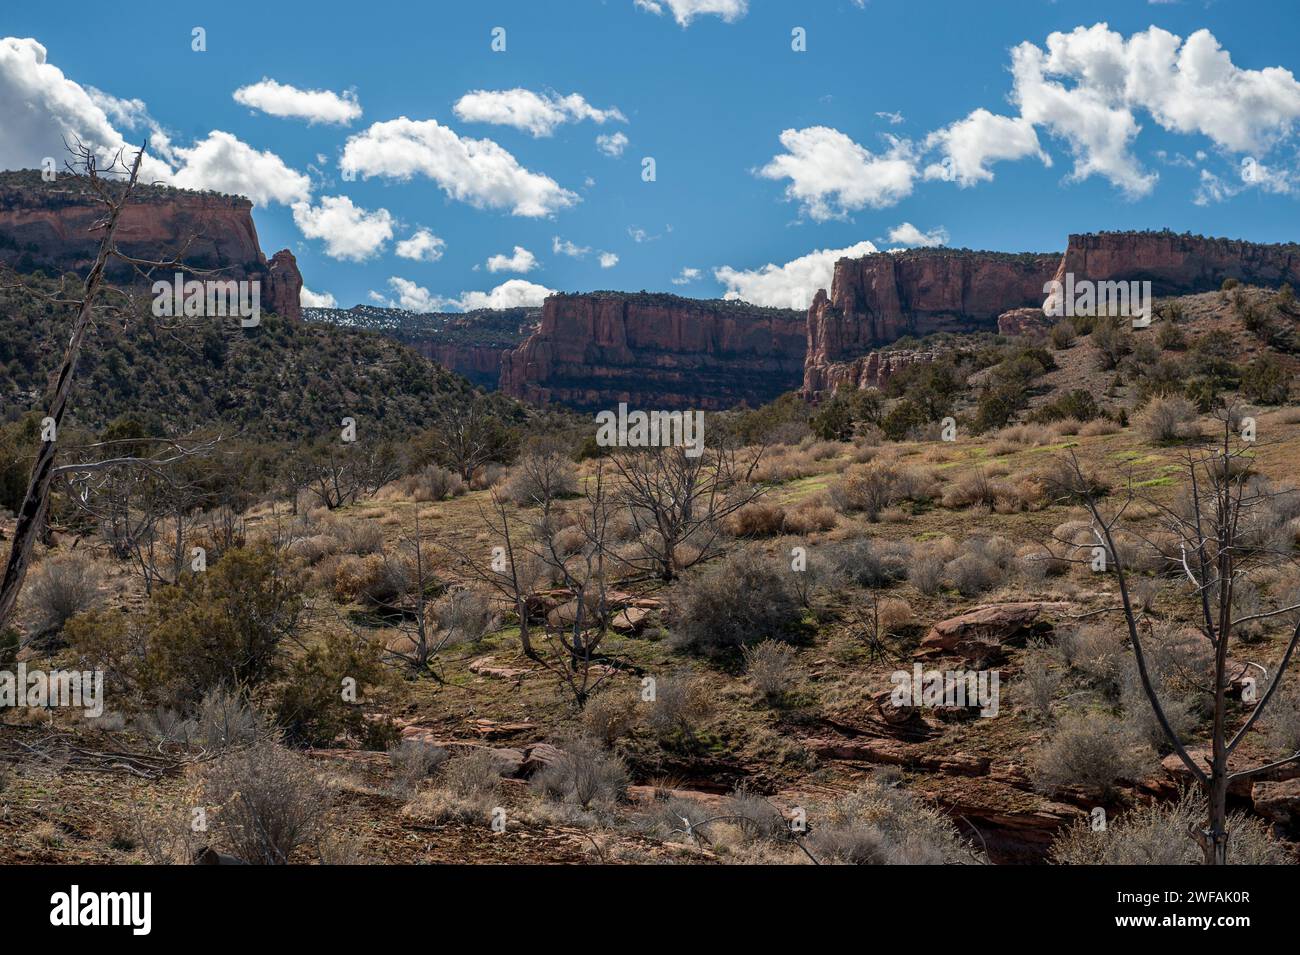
column 49, row 226
column 1177, row 264
column 656, row 352
column 881, row 297
column 481, row 364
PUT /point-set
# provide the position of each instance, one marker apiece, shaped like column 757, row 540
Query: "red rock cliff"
column 49, row 226
column 1177, row 264
column 656, row 352
column 881, row 297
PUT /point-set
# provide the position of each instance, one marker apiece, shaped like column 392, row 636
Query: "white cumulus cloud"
column 611, row 144
column 309, row 299
column 521, row 260
column 422, row 246
column 513, row 293
column 907, row 234
column 535, row 113
column 970, row 144
column 831, row 175
column 686, row 276
column 350, row 232
column 608, row 260
column 315, row 106
column 475, row 171
column 791, row 285
column 684, row 11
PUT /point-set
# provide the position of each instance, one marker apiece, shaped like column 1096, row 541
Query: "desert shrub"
column 1062, row 335
column 1090, row 752
column 583, row 774
column 925, row 573
column 375, row 580
column 1038, row 683
column 1182, row 706
column 414, row 760
column 1111, row 341
column 809, row 516
column 269, row 803
column 488, row 475
column 608, row 716
column 310, row 705
column 973, row 574
column 433, row 483
column 1165, row 420
column 770, row 667
column 743, row 599
column 541, row 477
column 58, row 589
column 755, row 817
column 221, row 720
column 756, row 519
column 1169, row 337
column 1281, row 720
column 357, row 536
column 1098, row 652
column 1077, row 403
column 1266, row 380
column 1161, row 834
column 569, row 540
column 681, row 701
column 883, row 825
column 464, row 614
column 1037, row 562
column 903, row 420
column 872, row 487
column 1097, row 427
column 870, row 563
column 223, row 627
column 472, row 775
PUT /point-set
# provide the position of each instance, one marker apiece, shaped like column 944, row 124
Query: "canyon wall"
column 1177, row 264
column 50, row 226
column 879, row 298
column 654, row 351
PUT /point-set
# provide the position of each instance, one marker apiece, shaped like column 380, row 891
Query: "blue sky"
column 708, row 97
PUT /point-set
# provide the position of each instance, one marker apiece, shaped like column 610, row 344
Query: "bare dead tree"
column 567, row 642
column 1217, row 545
column 31, row 513
column 466, row 437
column 677, row 502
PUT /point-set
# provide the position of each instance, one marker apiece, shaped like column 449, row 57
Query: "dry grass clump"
column 783, row 463
column 1099, row 426
column 978, row 488
column 59, row 588
column 871, row 488
column 1165, row 420
column 466, row 788
column 756, row 519
column 373, row 580
column 356, row 536
column 609, row 716
column 1161, row 834
column 809, row 516
column 431, row 483
column 742, row 600
column 770, row 667
column 269, row 803
column 880, row 824
column 583, row 774
column 1090, row 751
column 539, row 477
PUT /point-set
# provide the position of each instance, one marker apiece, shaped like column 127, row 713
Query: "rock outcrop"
column 1177, row 264
column 596, row 349
column 879, row 298
column 50, row 226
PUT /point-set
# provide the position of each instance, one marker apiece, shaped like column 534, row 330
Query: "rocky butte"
column 879, row 298
column 656, row 351
column 48, row 226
